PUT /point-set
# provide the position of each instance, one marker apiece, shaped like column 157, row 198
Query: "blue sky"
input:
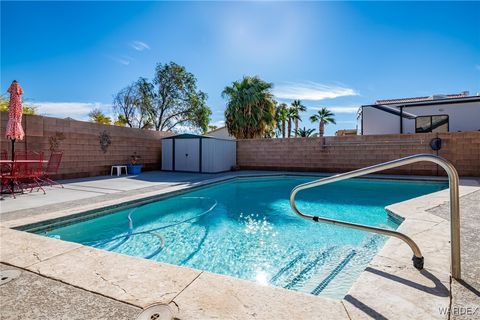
column 72, row 56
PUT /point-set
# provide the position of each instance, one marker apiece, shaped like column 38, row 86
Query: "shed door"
column 167, row 149
column 187, row 155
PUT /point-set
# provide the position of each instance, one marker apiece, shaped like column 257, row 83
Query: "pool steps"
column 369, row 243
column 305, row 274
column 333, row 273
column 289, row 266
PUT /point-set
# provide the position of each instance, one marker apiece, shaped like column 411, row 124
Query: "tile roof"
column 421, row 99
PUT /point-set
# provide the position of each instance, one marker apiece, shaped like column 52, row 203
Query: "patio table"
column 23, row 161
column 20, row 161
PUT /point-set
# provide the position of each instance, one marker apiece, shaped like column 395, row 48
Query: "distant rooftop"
column 216, row 129
column 463, row 94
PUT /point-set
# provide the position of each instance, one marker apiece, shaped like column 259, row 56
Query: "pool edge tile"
column 136, row 281
column 213, row 296
column 23, row 249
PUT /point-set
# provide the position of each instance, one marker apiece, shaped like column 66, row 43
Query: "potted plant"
column 134, row 167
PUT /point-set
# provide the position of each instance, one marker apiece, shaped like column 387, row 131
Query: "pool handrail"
column 418, row 259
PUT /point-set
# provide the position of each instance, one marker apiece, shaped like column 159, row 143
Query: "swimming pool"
column 246, row 229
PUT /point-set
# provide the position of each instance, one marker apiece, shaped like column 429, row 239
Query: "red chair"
column 52, row 168
column 5, row 168
column 35, row 170
column 24, row 173
column 11, row 180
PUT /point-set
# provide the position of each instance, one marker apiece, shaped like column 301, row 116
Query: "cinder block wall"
column 83, row 155
column 341, row 154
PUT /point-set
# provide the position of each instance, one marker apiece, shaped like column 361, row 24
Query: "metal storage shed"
column 195, row 153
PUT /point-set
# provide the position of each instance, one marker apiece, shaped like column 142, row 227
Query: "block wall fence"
column 82, row 152
column 84, row 157
column 341, row 154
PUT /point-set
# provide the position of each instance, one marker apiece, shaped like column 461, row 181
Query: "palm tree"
column 292, row 114
column 281, row 117
column 298, row 107
column 323, row 116
column 250, row 111
column 304, row 133
column 97, row 116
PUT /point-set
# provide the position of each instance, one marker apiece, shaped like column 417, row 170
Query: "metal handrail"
column 418, row 259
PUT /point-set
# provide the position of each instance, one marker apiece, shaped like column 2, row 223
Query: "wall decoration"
column 105, row 140
column 55, row 140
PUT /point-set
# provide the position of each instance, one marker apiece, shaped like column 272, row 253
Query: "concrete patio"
column 59, row 278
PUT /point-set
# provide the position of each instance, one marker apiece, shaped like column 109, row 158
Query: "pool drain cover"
column 8, row 275
column 156, row 312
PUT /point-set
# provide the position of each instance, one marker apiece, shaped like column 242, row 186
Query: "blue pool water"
column 246, row 229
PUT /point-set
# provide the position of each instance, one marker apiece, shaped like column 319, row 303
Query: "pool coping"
column 198, row 294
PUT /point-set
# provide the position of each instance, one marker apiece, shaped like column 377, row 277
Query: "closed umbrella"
column 14, row 126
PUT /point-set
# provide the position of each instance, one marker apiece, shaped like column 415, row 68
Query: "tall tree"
column 97, row 116
column 323, row 116
column 281, row 116
column 144, row 102
column 176, row 101
column 171, row 100
column 250, row 111
column 129, row 105
column 292, row 115
column 298, row 107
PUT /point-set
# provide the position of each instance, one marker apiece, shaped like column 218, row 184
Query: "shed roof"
column 187, row 136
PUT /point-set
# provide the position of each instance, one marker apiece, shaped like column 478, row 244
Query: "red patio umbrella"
column 14, row 126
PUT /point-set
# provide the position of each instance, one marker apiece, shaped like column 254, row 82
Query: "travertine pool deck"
column 390, row 288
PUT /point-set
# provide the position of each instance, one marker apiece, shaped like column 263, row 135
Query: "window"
column 437, row 123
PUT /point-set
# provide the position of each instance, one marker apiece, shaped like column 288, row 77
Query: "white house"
column 221, row 133
column 437, row 113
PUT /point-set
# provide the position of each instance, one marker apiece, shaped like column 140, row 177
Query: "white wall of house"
column 462, row 117
column 220, row 133
column 379, row 122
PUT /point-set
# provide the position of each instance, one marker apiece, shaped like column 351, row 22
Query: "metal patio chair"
column 52, row 168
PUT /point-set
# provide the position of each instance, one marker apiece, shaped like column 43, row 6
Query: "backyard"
column 168, row 160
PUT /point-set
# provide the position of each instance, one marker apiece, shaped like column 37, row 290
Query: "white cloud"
column 75, row 110
column 139, row 45
column 344, row 109
column 124, row 60
column 310, row 90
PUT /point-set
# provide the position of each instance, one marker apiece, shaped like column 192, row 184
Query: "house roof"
column 394, row 111
column 217, row 129
column 422, row 99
